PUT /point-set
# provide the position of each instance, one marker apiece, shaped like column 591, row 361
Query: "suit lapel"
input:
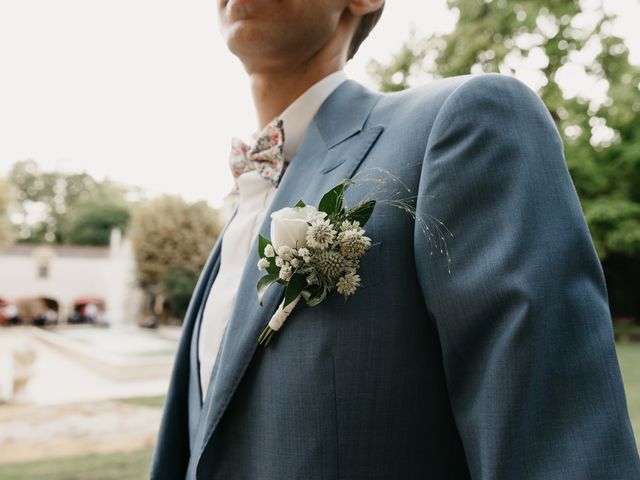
column 333, row 147
column 204, row 287
column 195, row 403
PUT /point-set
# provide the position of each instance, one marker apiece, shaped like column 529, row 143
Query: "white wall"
column 104, row 272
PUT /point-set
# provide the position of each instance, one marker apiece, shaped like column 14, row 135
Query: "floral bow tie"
column 265, row 155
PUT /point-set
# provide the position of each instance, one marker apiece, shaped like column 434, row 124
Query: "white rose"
column 289, row 226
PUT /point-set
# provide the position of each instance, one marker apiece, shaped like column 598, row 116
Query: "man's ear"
column 362, row 7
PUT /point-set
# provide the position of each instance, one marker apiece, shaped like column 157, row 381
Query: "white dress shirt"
column 256, row 194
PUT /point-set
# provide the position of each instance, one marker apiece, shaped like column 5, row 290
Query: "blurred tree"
column 557, row 42
column 42, row 200
column 90, row 222
column 6, row 233
column 52, row 204
column 171, row 241
column 179, row 283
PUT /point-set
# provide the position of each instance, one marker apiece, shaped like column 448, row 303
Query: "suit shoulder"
column 465, row 91
column 434, row 91
column 493, row 92
column 417, row 105
column 501, row 109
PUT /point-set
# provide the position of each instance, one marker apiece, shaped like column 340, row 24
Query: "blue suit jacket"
column 497, row 365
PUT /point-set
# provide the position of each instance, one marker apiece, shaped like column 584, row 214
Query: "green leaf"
column 264, row 283
column 306, row 294
column 300, row 204
column 331, row 202
column 315, row 295
column 262, row 243
column 294, row 288
column 272, row 269
column 362, row 212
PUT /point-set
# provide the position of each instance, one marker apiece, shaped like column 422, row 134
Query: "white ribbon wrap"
column 278, row 318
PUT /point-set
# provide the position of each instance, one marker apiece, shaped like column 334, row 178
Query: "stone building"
column 58, row 278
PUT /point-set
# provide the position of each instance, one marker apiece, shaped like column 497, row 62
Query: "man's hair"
column 367, row 22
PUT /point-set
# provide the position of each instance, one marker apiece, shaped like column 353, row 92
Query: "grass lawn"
column 145, row 401
column 135, row 465
column 112, row 466
column 629, row 357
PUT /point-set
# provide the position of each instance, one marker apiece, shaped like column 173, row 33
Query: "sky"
column 145, row 92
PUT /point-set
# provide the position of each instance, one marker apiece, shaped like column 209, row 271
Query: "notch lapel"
column 333, row 147
column 193, row 319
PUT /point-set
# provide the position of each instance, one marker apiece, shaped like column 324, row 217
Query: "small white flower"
column 285, row 272
column 318, row 215
column 349, row 225
column 320, row 234
column 279, row 262
column 263, row 263
column 285, row 252
column 353, row 243
column 305, row 254
column 269, row 251
column 295, row 262
column 348, row 284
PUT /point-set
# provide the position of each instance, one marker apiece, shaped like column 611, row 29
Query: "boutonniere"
column 313, row 251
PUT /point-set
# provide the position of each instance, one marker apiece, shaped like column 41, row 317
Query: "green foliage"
column 405, row 67
column 55, row 207
column 179, row 284
column 361, row 212
column 262, row 244
column 629, row 358
column 294, row 288
column 614, row 224
column 91, row 222
column 315, row 296
column 562, row 38
column 331, row 202
column 98, row 466
column 272, row 268
column 171, row 242
column 264, row 283
column 6, row 234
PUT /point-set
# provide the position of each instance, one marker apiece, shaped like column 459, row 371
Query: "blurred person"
column 51, row 316
column 91, row 313
column 500, row 367
column 12, row 314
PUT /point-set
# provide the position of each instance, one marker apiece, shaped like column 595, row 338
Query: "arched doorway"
column 88, row 310
column 40, row 311
column 48, row 313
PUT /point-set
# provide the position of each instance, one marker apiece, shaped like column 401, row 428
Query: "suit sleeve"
column 522, row 315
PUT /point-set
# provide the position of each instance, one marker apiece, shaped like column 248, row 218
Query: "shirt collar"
column 297, row 116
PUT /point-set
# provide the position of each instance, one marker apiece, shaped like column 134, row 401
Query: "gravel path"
column 36, row 432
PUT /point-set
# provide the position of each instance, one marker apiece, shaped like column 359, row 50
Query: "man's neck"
column 274, row 91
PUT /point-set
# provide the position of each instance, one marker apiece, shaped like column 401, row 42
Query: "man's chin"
column 236, row 10
column 250, row 38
